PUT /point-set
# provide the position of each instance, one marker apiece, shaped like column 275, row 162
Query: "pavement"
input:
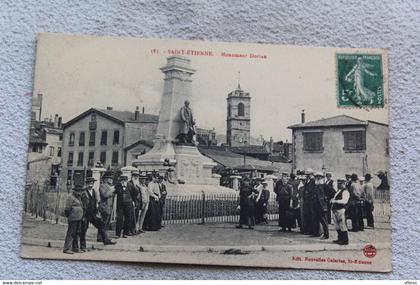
column 215, row 244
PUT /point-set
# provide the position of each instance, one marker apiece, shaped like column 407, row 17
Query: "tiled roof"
column 340, row 120
column 251, row 149
column 127, row 116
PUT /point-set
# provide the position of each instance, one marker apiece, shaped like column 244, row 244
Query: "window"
column 59, row 151
column 82, row 139
column 92, row 137
column 91, row 158
column 71, row 139
column 228, row 110
column 241, row 109
column 93, row 118
column 33, row 116
column 312, row 141
column 104, row 136
column 80, row 159
column 51, row 151
column 354, row 140
column 70, row 159
column 114, row 161
column 102, row 157
column 69, row 176
column 116, row 139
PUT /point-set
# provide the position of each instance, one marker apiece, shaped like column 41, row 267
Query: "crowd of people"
column 309, row 201
column 139, row 208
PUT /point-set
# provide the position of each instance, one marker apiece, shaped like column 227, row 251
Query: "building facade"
column 238, row 129
column 206, row 137
column 103, row 135
column 341, row 144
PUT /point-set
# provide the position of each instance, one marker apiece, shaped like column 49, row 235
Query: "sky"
column 75, row 73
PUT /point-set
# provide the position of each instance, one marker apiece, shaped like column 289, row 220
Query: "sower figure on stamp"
column 188, row 131
column 247, row 196
column 125, row 208
column 319, row 208
column 92, row 215
column 74, row 213
column 106, row 192
column 338, row 205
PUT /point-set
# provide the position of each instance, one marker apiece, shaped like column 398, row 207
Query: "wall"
column 376, row 145
column 389, row 24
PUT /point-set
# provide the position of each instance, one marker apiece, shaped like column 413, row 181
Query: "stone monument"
column 172, row 148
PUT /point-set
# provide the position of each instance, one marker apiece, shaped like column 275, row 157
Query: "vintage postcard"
column 210, row 153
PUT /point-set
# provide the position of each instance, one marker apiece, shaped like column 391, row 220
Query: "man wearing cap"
column 262, row 203
column 338, row 205
column 106, row 204
column 74, row 213
column 319, row 207
column 134, row 188
column 308, row 189
column 356, row 204
column 125, row 208
column 329, row 193
column 367, row 195
column 91, row 215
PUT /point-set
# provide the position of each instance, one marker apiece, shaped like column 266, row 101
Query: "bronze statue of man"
column 187, row 132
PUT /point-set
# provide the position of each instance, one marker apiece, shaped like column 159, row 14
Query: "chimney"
column 271, row 144
column 109, row 108
column 60, row 122
column 142, row 110
column 56, row 121
column 302, row 116
column 136, row 114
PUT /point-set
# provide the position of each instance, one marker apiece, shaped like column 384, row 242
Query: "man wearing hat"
column 134, row 187
column 319, row 207
column 338, row 205
column 125, row 208
column 163, row 193
column 74, row 213
column 356, row 204
column 367, row 194
column 308, row 189
column 91, row 215
column 329, row 194
column 106, row 204
column 284, row 191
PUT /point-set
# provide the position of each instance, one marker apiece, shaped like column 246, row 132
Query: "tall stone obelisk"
column 190, row 165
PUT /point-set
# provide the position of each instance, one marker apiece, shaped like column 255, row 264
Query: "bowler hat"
column 90, row 179
column 123, row 177
column 368, row 176
column 107, row 174
column 78, row 188
column 135, row 172
column 354, row 176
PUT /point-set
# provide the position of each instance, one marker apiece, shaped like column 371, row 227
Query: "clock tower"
column 238, row 120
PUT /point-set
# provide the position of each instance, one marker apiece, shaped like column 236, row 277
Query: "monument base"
column 191, row 167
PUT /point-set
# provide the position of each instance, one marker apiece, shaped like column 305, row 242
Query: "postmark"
column 360, row 80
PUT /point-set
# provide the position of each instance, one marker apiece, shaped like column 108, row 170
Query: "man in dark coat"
column 319, row 207
column 74, row 213
column 356, row 204
column 329, row 193
column 247, row 196
column 91, row 215
column 162, row 199
column 262, row 204
column 308, row 189
column 125, row 208
column 284, row 191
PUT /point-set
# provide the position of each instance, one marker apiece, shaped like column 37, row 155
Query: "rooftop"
column 336, row 121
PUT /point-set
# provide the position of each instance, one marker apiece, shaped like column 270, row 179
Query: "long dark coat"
column 247, row 206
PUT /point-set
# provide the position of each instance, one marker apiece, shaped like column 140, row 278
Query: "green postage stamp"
column 360, row 80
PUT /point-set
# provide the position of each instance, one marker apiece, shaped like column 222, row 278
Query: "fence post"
column 203, row 205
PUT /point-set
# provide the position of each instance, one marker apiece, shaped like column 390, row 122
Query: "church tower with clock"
column 238, row 130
